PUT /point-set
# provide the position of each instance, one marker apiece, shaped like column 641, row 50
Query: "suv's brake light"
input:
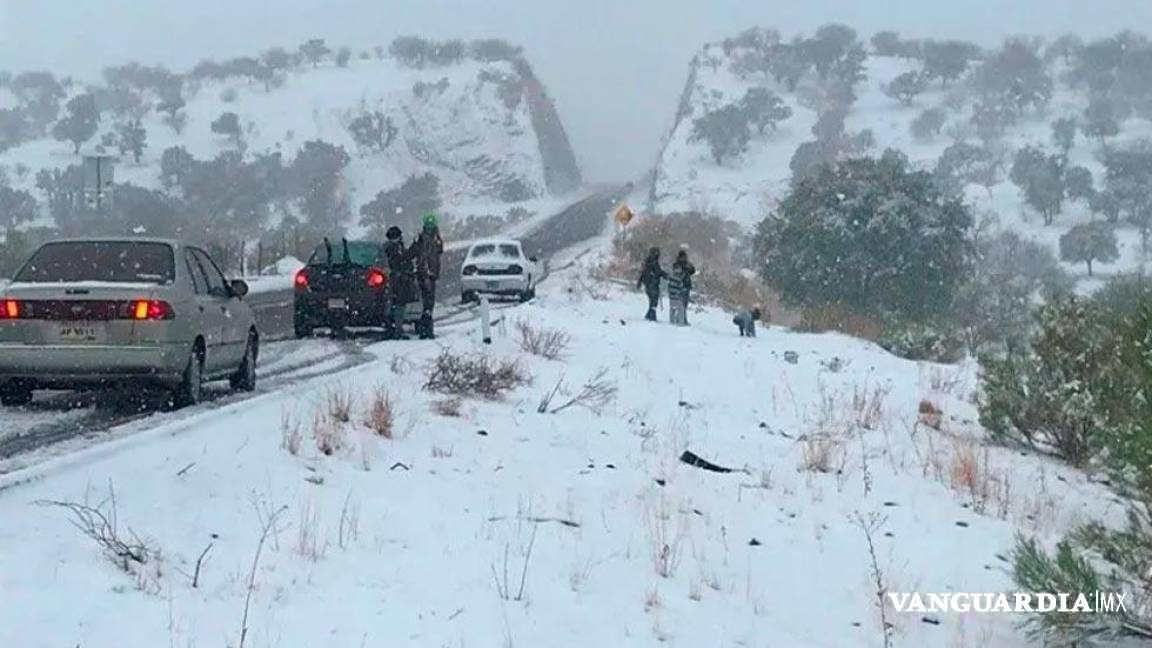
column 376, row 278
column 301, row 280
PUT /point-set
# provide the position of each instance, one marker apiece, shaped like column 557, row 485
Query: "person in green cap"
column 428, row 247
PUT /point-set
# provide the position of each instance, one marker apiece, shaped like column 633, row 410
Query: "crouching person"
column 746, row 322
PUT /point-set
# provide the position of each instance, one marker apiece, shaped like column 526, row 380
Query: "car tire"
column 467, row 297
column 15, row 395
column 528, row 293
column 301, row 329
column 189, row 391
column 245, row 377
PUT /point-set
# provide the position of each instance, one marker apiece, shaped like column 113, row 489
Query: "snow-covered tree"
column 928, row 123
column 227, row 124
column 724, row 130
column 1089, row 242
column 131, row 137
column 314, row 50
column 1015, row 75
column 1064, row 133
column 963, row 163
column 315, row 175
column 402, row 206
column 906, row 87
column 16, row 206
column 79, row 123
column 372, row 131
column 343, row 56
column 947, row 60
column 1040, row 178
column 1100, row 119
column 870, row 235
column 1079, row 184
column 764, row 108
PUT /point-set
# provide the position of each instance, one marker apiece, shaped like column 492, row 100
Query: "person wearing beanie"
column 428, row 248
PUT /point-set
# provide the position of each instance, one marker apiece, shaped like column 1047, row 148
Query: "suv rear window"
column 360, row 253
column 110, row 261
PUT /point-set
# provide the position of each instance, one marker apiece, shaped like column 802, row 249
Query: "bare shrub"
column 339, row 402
column 594, row 395
column 380, row 417
column 100, row 524
column 502, row 579
column 869, row 525
column 971, row 475
column 665, row 541
column 449, row 407
column 868, row 406
column 329, row 434
column 400, row 364
column 945, row 381
column 291, row 435
column 821, row 452
column 930, row 415
column 308, row 541
column 547, row 343
column 474, row 375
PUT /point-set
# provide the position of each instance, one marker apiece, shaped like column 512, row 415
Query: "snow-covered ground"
column 745, row 189
column 503, row 526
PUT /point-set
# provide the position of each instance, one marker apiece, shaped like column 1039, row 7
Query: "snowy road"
column 59, row 422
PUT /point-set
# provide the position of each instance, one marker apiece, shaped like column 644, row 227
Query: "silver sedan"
column 97, row 313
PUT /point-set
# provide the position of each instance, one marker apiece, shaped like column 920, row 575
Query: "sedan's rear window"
column 489, row 249
column 109, row 261
column 360, row 253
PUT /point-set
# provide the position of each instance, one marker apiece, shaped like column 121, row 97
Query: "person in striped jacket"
column 680, row 288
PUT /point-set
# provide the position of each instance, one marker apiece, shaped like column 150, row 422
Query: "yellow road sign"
column 624, row 215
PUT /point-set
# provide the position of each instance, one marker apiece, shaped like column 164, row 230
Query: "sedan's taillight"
column 150, row 310
column 515, row 269
column 301, row 280
column 9, row 309
column 376, row 278
column 469, row 270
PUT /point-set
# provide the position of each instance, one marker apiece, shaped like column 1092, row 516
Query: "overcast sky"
column 615, row 67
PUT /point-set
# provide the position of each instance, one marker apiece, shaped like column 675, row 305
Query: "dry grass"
column 309, row 544
column 930, row 415
column 822, row 453
column 291, row 434
column 547, row 343
column 666, row 541
column 971, row 475
column 820, row 319
column 380, row 417
column 329, row 434
column 475, row 375
column 339, row 402
column 595, row 394
column 868, row 406
column 449, row 407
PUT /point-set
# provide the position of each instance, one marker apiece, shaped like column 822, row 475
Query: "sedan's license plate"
column 492, row 285
column 80, row 332
column 337, row 304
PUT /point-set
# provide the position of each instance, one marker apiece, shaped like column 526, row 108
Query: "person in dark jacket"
column 650, row 276
column 428, row 249
column 746, row 322
column 401, row 282
column 679, row 288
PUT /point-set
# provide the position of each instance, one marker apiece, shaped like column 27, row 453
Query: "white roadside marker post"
column 485, row 323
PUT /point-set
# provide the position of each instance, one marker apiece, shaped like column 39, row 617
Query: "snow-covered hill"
column 487, row 129
column 486, row 523
column 745, row 188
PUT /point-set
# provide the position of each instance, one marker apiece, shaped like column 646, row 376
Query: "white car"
column 498, row 267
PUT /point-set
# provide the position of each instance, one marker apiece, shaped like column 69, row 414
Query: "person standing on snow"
column 679, row 288
column 650, row 276
column 746, row 321
column 401, row 283
column 428, row 249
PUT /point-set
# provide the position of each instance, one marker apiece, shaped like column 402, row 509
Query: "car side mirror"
column 238, row 287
